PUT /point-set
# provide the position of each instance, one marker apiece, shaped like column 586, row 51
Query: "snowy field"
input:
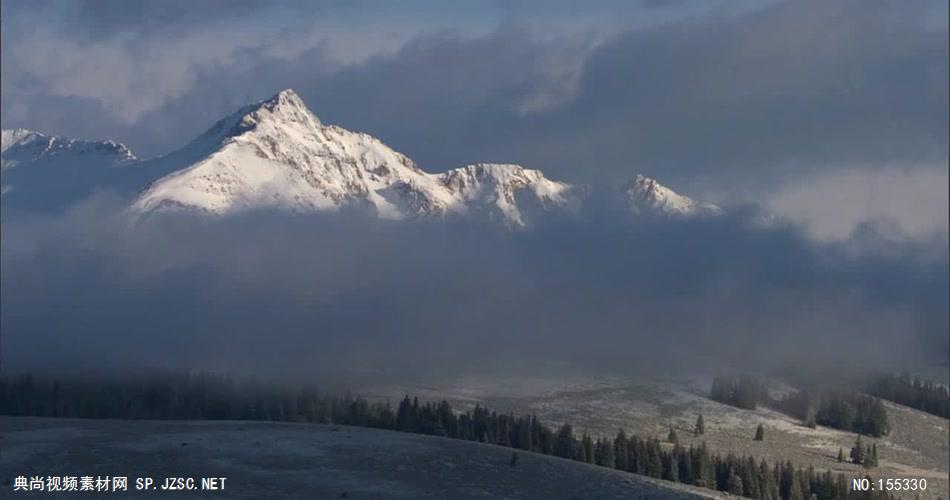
column 917, row 447
column 282, row 461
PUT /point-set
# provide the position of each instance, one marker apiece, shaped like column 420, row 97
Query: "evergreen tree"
column 841, row 409
column 587, row 444
column 685, row 465
column 654, row 458
column 721, row 390
column 915, row 393
column 742, row 392
column 857, row 451
column 564, row 443
column 759, row 433
column 620, row 450
column 700, row 428
column 785, row 475
column 748, row 391
column 750, row 480
column 675, row 468
column 875, row 419
column 671, row 437
column 671, row 467
column 795, row 491
column 870, row 457
column 734, row 484
column 840, row 455
column 770, row 486
column 404, row 415
column 609, row 455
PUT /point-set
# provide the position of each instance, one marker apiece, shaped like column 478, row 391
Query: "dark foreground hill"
column 282, row 460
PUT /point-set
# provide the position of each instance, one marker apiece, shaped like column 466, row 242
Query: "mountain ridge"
column 56, row 171
column 18, row 143
column 277, row 154
column 644, row 194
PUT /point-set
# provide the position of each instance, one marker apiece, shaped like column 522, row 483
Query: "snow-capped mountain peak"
column 12, row 137
column 46, row 172
column 285, row 109
column 646, row 195
column 507, row 190
column 20, row 145
column 277, row 154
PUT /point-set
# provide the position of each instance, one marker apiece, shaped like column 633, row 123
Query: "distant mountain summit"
column 20, row 145
column 645, row 195
column 276, row 154
column 53, row 171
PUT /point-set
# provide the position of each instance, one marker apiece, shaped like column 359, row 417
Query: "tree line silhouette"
column 221, row 398
column 913, row 392
column 840, row 408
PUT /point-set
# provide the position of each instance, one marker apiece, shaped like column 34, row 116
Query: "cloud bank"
column 308, row 296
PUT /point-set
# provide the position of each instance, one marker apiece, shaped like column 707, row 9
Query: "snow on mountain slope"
column 55, row 171
column 647, row 196
column 20, row 146
column 507, row 190
column 277, row 154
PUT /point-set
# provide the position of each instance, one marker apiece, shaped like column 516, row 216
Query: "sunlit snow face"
column 278, row 155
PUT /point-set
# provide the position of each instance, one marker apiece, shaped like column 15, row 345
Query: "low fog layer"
column 306, row 296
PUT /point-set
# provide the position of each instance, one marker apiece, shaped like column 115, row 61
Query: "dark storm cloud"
column 267, row 294
column 791, row 88
column 91, row 20
column 721, row 96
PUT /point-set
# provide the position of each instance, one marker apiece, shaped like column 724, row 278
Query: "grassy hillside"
column 284, row 460
column 918, row 445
